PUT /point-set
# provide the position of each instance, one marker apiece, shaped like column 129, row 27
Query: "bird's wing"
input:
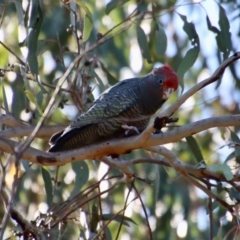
column 111, row 103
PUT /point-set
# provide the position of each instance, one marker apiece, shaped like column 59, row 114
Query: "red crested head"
column 170, row 77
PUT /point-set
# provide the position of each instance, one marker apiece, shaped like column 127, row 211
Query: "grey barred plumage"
column 130, row 102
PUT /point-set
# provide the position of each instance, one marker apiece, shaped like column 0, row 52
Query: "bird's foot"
column 129, row 129
column 159, row 123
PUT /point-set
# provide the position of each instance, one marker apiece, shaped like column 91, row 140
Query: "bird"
column 122, row 110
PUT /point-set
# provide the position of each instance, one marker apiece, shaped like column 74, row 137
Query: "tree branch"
column 179, row 167
column 118, row 146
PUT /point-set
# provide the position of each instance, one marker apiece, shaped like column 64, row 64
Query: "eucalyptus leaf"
column 87, row 28
column 190, row 30
column 86, row 9
column 108, row 233
column 98, row 79
column 230, row 156
column 25, row 165
column 94, row 218
column 224, row 169
column 234, row 137
column 42, row 46
column 111, row 79
column 161, row 41
column 143, row 44
column 35, row 24
column 223, row 35
column 193, row 145
column 234, row 194
column 118, row 218
column 5, row 102
column 19, row 12
column 224, row 39
column 82, row 174
column 215, row 204
column 114, row 4
column 47, row 185
column 32, row 99
column 187, row 62
column 156, row 184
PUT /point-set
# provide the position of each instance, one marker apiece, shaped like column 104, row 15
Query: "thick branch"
column 119, row 146
column 45, row 132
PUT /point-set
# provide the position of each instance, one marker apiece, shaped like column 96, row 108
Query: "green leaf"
column 230, row 156
column 111, row 79
column 82, row 175
column 24, row 75
column 193, row 145
column 222, row 131
column 223, row 36
column 108, row 234
column 228, row 173
column 219, row 235
column 39, row 98
column 94, row 218
column 235, row 140
column 234, row 194
column 32, row 99
column 82, row 233
column 190, row 30
column 215, row 204
column 234, row 137
column 19, row 12
column 224, row 169
column 220, row 188
column 187, row 63
column 192, row 54
column 156, row 185
column 86, row 9
column 161, row 41
column 114, row 4
column 35, row 24
column 118, row 218
column 25, row 165
column 87, row 28
column 42, row 46
column 5, row 103
column 237, row 154
column 48, row 185
column 143, row 44
column 97, row 78
column 32, row 49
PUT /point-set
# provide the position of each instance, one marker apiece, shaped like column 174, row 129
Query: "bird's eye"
column 160, row 81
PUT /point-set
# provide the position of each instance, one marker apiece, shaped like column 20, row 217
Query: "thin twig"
column 210, row 209
column 18, row 58
column 24, row 224
column 112, row 218
column 145, row 212
column 124, row 208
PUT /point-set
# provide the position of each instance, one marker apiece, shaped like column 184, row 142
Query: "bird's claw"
column 130, row 128
column 159, row 123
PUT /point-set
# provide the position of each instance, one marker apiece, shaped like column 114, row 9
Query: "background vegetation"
column 81, row 48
